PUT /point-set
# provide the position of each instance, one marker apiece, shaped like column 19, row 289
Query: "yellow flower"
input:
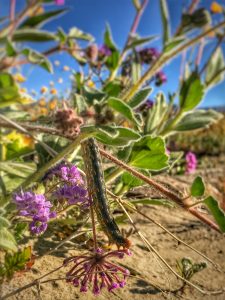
column 19, row 77
column 42, row 102
column 53, row 91
column 216, row 8
column 43, row 111
column 28, row 141
column 23, row 90
column 44, row 90
column 52, row 104
column 90, row 83
column 66, row 68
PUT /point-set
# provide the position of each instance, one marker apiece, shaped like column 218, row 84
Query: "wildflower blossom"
column 160, row 78
column 44, row 90
column 191, row 162
column 66, row 173
column 148, row 55
column 97, row 272
column 35, row 206
column 59, row 2
column 92, row 52
column 66, row 68
column 72, row 194
column 53, row 91
column 148, row 104
column 19, row 78
column 216, row 8
column 104, row 51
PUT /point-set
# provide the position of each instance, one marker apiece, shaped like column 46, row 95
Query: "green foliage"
column 32, row 35
column 77, row 34
column 191, row 92
column 217, row 213
column 149, row 153
column 213, row 71
column 112, row 60
column 197, row 119
column 7, row 240
column 187, row 268
column 9, row 92
column 35, row 57
column 140, row 97
column 165, row 21
column 15, row 262
column 198, row 187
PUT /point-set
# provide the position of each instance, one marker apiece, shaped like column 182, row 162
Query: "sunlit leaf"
column 198, row 187
column 217, row 213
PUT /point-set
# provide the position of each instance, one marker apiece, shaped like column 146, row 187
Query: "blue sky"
column 92, row 15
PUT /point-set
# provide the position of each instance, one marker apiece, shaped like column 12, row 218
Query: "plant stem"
column 112, row 176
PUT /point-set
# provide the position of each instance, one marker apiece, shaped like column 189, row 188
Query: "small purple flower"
column 148, row 104
column 73, row 194
column 160, row 78
column 59, row 2
column 97, row 271
column 66, row 173
column 148, row 55
column 191, row 162
column 104, row 51
column 34, row 206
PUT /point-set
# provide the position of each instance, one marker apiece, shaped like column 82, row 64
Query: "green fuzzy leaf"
column 112, row 60
column 39, row 20
column 174, row 43
column 61, row 35
column 214, row 67
column 140, row 97
column 198, row 119
column 77, row 34
column 9, row 92
column 130, row 180
column 124, row 137
column 198, row 187
column 124, row 109
column 108, row 39
column 135, row 69
column 149, row 153
column 18, row 169
column 7, row 240
column 113, row 89
column 165, row 21
column 4, row 222
column 92, row 94
column 33, row 35
column 217, row 213
column 10, row 50
column 80, row 103
column 35, row 57
column 138, row 41
column 163, row 202
column 191, row 93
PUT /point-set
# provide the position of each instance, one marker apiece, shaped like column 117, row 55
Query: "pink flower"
column 59, row 2
column 96, row 271
column 191, row 162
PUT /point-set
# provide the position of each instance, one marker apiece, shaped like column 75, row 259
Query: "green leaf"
column 92, row 94
column 10, row 50
column 61, row 35
column 135, row 69
column 215, row 65
column 80, row 103
column 140, row 97
column 9, row 92
column 138, row 41
column 35, row 57
column 39, row 20
column 198, row 119
column 76, row 33
column 112, row 60
column 191, row 93
column 4, row 222
column 198, row 187
column 217, row 213
column 174, row 43
column 163, row 202
column 113, row 89
column 7, row 240
column 149, row 153
column 16, row 168
column 124, row 109
column 130, row 180
column 156, row 114
column 165, row 21
column 124, row 137
column 33, row 35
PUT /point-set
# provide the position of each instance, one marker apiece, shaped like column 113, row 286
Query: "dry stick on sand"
column 151, row 248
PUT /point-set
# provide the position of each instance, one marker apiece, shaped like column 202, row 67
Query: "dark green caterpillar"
column 97, row 191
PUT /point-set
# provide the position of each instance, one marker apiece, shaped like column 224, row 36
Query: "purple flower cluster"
column 59, row 2
column 148, row 55
column 160, row 78
column 36, row 207
column 148, row 104
column 65, row 173
column 97, row 271
column 191, row 162
column 104, row 51
column 72, row 194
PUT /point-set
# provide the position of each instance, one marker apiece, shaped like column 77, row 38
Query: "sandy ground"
column 147, row 270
